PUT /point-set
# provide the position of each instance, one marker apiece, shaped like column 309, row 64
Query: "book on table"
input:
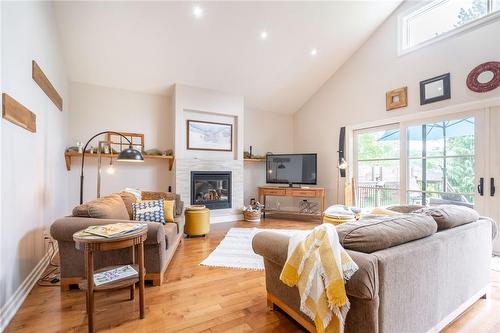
column 113, row 230
column 114, row 275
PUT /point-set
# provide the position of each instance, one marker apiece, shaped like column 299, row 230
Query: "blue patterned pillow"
column 149, row 211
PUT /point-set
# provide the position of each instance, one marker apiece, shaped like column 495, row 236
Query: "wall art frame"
column 209, row 136
column 397, row 98
column 435, row 89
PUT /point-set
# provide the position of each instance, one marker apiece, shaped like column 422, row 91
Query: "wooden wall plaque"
column 17, row 113
column 41, row 79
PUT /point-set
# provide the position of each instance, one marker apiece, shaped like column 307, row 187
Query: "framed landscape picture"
column 205, row 135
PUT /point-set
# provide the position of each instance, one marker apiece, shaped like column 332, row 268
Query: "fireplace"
column 211, row 188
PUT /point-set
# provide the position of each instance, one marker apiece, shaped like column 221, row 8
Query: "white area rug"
column 235, row 250
column 495, row 263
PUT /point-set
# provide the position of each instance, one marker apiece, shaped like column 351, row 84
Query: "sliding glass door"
column 453, row 159
column 427, row 162
column 377, row 166
column 441, row 162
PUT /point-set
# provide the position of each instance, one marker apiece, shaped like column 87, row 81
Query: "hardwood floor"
column 200, row 299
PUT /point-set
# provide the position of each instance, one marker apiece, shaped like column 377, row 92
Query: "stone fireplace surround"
column 183, row 171
column 192, row 103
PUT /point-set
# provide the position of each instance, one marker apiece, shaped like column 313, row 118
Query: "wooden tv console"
column 298, row 192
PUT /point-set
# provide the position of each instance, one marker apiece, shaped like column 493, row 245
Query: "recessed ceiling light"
column 263, row 35
column 314, row 52
column 197, row 11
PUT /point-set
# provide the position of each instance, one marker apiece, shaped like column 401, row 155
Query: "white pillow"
column 136, row 192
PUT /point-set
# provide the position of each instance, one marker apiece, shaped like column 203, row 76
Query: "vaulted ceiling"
column 149, row 46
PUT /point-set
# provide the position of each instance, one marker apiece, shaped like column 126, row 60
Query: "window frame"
column 403, row 124
column 385, row 127
column 433, row 120
column 403, row 30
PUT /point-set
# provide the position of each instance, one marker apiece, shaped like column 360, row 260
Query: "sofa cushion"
column 450, row 216
column 108, row 207
column 180, row 221
column 375, row 234
column 405, row 209
column 170, row 233
column 128, row 199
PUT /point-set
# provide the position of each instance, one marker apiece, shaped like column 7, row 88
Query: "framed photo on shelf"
column 205, row 135
column 435, row 89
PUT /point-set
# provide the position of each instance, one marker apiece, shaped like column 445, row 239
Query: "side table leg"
column 90, row 289
column 132, row 287
column 140, row 261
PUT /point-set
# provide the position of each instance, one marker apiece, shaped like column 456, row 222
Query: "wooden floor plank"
column 198, row 299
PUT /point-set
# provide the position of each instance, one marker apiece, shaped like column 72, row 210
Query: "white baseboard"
column 17, row 299
column 225, row 218
column 455, row 314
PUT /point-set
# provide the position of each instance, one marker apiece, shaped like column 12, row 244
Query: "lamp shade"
column 130, row 155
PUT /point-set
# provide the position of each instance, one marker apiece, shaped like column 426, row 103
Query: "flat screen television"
column 291, row 169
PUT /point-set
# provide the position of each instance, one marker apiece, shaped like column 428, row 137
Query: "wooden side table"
column 91, row 244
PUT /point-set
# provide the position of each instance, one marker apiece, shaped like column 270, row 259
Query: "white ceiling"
column 149, row 46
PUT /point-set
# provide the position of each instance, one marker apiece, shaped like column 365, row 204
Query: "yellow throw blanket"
column 319, row 266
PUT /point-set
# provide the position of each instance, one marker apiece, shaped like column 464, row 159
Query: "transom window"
column 442, row 17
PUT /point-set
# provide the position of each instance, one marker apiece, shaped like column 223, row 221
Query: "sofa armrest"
column 272, row 246
column 64, row 228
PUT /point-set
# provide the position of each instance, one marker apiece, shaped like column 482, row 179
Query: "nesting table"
column 91, row 244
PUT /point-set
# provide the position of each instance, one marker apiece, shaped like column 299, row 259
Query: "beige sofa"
column 419, row 285
column 159, row 247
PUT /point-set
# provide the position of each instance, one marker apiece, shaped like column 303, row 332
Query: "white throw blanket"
column 319, row 266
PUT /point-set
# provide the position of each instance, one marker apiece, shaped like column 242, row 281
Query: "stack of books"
column 112, row 230
column 114, row 275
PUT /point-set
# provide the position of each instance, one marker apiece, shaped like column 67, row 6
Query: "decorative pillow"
column 450, row 216
column 405, row 209
column 380, row 233
column 179, row 205
column 168, row 209
column 136, row 192
column 108, row 207
column 129, row 199
column 380, row 211
column 149, row 211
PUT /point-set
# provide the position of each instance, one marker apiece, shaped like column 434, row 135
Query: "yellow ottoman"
column 337, row 220
column 197, row 222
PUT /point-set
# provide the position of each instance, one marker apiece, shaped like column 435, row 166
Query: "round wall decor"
column 484, row 77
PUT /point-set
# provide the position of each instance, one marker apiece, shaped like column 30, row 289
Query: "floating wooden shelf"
column 69, row 155
column 254, row 159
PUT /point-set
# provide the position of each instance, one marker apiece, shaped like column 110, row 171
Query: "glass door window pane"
column 441, row 163
column 378, row 168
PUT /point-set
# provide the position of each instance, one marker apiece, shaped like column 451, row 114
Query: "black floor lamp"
column 128, row 155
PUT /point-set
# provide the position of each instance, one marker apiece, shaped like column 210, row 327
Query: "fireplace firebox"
column 211, row 188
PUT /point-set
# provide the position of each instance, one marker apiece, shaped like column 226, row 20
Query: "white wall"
column 205, row 104
column 95, row 109
column 34, row 180
column 265, row 132
column 356, row 92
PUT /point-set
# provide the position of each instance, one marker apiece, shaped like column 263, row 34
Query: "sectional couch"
column 417, row 271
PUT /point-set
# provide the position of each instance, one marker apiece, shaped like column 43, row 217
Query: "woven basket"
column 252, row 216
